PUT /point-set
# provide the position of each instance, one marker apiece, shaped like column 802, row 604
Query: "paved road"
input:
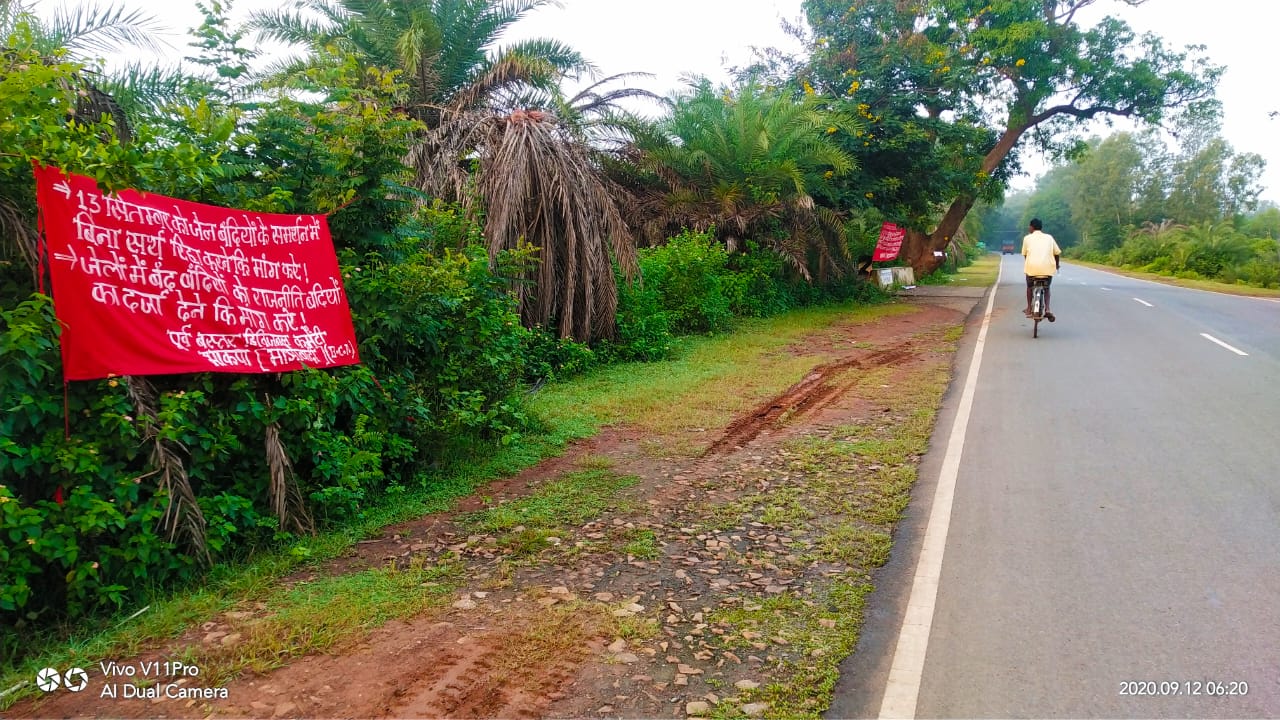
column 1116, row 515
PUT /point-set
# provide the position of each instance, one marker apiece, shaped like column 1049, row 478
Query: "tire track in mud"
column 470, row 682
column 817, row 390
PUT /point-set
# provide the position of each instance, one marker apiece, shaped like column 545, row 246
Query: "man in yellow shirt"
column 1043, row 258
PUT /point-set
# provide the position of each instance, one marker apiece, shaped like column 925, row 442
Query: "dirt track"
column 545, row 637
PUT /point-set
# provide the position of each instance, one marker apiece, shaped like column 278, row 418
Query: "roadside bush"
column 757, row 283
column 1262, row 273
column 688, row 275
column 548, row 357
column 448, row 329
column 643, row 327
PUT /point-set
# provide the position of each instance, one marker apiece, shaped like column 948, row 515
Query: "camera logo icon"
column 75, row 679
column 49, row 679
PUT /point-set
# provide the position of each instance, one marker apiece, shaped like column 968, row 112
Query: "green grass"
column 980, row 273
column 525, row 526
column 571, row 499
column 1211, row 285
column 819, row 635
column 712, row 381
column 326, row 614
column 307, row 617
column 642, row 545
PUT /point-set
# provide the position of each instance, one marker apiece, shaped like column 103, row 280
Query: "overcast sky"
column 670, row 38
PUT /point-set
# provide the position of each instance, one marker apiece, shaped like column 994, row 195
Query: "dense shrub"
column 758, row 283
column 688, row 275
column 447, row 327
column 643, row 329
column 548, row 357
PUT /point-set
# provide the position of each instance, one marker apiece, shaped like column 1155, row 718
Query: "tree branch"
column 1082, row 113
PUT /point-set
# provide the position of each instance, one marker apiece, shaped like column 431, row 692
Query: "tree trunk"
column 918, row 248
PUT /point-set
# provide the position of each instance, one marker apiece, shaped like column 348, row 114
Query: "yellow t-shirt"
column 1039, row 248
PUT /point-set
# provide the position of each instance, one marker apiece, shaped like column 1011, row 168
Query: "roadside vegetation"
column 713, row 379
column 1188, row 213
column 523, row 266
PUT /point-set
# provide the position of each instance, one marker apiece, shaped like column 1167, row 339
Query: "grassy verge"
column 1210, row 285
column 843, row 494
column 326, row 614
column 980, row 273
column 713, row 379
column 526, row 526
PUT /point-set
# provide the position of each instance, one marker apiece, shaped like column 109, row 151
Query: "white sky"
column 669, row 38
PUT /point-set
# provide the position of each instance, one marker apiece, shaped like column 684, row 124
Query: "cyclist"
column 1043, row 258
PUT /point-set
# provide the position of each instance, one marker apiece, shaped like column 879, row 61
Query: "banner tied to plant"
column 145, row 284
column 889, row 244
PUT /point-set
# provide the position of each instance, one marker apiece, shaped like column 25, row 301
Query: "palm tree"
column 501, row 113
column 542, row 186
column 752, row 163
column 82, row 33
column 440, row 45
column 76, row 34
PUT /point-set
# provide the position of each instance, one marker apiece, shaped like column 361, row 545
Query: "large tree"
column 1010, row 67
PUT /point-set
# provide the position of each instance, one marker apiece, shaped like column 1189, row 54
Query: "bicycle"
column 1039, row 285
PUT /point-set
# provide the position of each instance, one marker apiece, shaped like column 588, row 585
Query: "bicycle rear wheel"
column 1037, row 309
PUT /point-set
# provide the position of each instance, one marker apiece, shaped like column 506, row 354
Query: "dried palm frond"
column 286, row 498
column 183, row 512
column 19, row 235
column 538, row 186
column 95, row 106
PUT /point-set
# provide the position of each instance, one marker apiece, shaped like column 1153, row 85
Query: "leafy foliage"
column 976, row 76
column 442, row 46
column 688, row 273
column 115, row 490
column 754, row 165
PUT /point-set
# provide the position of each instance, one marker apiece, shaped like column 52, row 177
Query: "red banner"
column 890, row 242
column 149, row 285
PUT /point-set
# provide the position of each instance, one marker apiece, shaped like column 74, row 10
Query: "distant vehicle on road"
column 1007, row 248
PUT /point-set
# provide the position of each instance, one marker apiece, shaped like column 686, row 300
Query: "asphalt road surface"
column 1114, row 539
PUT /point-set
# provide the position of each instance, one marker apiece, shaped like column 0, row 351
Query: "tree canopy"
column 990, row 72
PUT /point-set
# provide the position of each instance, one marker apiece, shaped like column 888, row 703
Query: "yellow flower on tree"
column 831, row 130
column 808, row 89
column 1020, row 62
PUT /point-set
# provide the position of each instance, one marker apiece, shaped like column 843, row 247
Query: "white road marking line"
column 1144, row 302
column 1107, row 289
column 1213, row 339
column 903, row 689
